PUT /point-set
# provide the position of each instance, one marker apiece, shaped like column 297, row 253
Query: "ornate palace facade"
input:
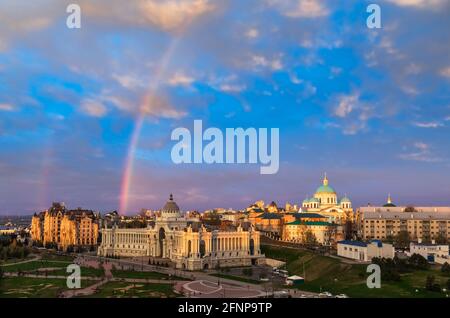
column 186, row 242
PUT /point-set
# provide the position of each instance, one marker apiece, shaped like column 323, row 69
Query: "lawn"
column 16, row 287
column 145, row 275
column 324, row 273
column 134, row 290
column 55, row 257
column 238, row 278
column 34, row 265
column 56, row 267
column 85, row 272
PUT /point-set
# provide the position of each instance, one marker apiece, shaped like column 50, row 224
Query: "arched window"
column 202, row 248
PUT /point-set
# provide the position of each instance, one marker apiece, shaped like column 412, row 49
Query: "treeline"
column 11, row 248
column 392, row 268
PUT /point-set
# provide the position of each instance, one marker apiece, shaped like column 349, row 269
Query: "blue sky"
column 371, row 107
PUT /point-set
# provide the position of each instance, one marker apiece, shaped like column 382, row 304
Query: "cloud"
column 180, row 79
column 300, row 8
column 93, row 108
column 252, row 33
column 232, row 88
column 227, row 84
column 174, row 14
column 7, row 107
column 128, row 81
column 274, row 64
column 170, row 15
column 158, row 106
column 346, row 104
column 445, row 72
column 423, row 4
column 432, row 124
column 422, row 153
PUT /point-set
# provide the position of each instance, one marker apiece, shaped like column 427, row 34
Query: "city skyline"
column 86, row 114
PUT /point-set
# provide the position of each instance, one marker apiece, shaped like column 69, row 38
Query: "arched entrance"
column 252, row 247
column 202, row 248
column 161, row 238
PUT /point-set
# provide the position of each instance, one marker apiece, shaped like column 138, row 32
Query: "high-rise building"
column 64, row 228
column 387, row 221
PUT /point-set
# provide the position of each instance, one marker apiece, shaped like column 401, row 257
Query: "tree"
column 309, row 238
column 402, row 239
column 448, row 284
column 445, row 268
column 431, row 284
column 247, row 271
column 441, row 239
column 417, row 261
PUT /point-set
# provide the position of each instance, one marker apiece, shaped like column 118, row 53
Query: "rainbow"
column 139, row 123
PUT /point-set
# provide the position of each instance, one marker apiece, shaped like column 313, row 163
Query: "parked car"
column 325, row 294
column 341, row 296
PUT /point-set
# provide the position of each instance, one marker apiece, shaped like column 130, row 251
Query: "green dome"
column 314, row 200
column 345, row 200
column 306, row 201
column 325, row 189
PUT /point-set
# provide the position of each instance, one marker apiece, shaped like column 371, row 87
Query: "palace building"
column 185, row 242
column 64, row 228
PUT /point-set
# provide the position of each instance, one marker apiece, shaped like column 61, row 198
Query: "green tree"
column 310, row 238
column 402, row 239
column 445, row 269
column 430, row 284
column 247, row 271
column 441, row 239
column 417, row 261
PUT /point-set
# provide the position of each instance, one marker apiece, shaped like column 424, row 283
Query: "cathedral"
column 185, row 242
column 325, row 202
column 323, row 219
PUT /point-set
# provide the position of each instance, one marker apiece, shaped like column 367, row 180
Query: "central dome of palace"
column 170, row 209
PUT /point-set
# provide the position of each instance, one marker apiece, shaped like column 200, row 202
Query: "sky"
column 86, row 114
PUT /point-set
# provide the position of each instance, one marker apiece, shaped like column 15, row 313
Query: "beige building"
column 186, row 242
column 79, row 228
column 309, row 228
column 65, row 228
column 361, row 251
column 437, row 253
column 421, row 223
